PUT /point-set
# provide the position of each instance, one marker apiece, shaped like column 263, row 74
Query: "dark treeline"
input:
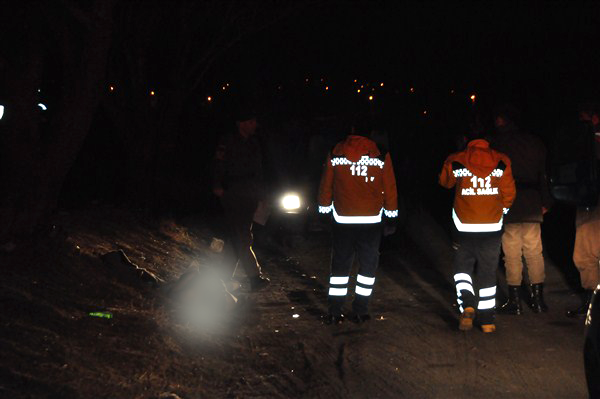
column 127, row 85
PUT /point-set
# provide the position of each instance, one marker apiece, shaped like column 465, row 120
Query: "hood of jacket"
column 354, row 147
column 480, row 159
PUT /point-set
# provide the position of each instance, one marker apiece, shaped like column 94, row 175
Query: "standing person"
column 358, row 186
column 522, row 237
column 586, row 253
column 485, row 190
column 238, row 182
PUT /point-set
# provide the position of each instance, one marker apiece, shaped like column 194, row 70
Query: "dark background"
column 128, row 147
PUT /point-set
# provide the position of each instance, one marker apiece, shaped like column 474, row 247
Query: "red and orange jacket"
column 485, row 188
column 358, row 183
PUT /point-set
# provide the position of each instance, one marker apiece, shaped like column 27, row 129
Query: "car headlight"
column 290, row 202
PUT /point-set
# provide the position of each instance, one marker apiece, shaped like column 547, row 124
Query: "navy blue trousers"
column 350, row 240
column 475, row 264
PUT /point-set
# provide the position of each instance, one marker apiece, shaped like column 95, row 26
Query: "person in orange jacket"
column 484, row 192
column 358, row 187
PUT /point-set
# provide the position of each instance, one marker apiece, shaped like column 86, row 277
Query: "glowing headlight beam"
column 290, row 202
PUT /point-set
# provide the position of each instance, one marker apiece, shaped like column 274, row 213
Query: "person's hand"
column 389, row 226
column 218, row 191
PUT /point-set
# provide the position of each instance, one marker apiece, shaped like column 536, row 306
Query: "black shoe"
column 513, row 304
column 333, row 319
column 536, row 302
column 258, row 283
column 581, row 311
column 360, row 318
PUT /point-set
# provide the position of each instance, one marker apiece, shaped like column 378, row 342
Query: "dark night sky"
column 505, row 48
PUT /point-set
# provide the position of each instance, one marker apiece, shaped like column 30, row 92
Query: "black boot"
column 581, row 311
column 513, row 305
column 537, row 303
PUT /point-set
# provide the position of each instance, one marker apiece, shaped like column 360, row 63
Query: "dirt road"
column 413, row 348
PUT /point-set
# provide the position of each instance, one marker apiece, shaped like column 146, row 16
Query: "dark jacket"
column 528, row 158
column 238, row 167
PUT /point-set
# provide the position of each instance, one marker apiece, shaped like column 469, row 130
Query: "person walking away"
column 522, row 237
column 358, row 187
column 484, row 192
column 238, row 182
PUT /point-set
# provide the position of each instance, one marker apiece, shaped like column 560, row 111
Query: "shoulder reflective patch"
column 475, row 227
column 462, row 172
column 340, row 161
column 364, row 160
column 391, row 214
column 357, row 219
column 325, row 209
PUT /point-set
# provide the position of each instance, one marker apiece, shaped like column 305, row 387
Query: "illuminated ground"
column 52, row 348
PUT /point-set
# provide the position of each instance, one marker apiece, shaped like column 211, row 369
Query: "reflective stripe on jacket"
column 485, row 188
column 358, row 183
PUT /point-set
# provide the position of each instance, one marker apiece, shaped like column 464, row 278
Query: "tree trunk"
column 25, row 205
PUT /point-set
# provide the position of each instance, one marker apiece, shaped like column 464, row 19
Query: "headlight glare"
column 290, row 202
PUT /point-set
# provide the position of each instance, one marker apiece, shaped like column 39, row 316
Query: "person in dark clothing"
column 586, row 253
column 522, row 236
column 238, row 182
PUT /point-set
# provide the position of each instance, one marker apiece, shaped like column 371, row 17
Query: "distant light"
column 111, row 88
column 322, row 79
column 209, row 98
column 473, row 97
column 224, row 88
column 42, row 106
column 39, row 90
column 452, row 91
column 358, row 91
column 355, row 80
column 362, row 86
column 152, row 92
column 227, row 85
column 425, row 112
column 373, row 89
column 381, row 84
column 306, row 80
column 326, row 87
column 370, row 98
column 279, row 87
column 1, row 111
column 412, row 89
